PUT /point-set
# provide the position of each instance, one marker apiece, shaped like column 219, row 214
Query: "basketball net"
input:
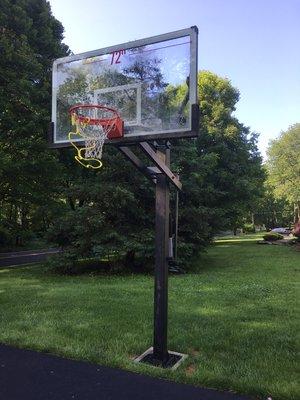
column 93, row 124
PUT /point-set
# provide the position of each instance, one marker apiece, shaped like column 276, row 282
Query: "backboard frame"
column 192, row 131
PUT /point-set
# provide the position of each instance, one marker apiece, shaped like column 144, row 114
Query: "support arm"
column 147, row 149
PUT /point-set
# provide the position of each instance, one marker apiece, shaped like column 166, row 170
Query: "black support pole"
column 176, row 224
column 162, row 200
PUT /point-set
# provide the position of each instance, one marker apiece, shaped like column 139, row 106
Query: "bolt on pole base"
column 172, row 361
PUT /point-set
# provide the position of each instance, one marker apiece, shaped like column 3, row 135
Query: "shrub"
column 249, row 228
column 61, row 263
column 66, row 263
column 272, row 236
column 5, row 237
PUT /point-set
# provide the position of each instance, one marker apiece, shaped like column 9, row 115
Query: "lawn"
column 235, row 315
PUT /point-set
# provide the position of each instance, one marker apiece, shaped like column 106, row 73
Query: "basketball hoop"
column 94, row 124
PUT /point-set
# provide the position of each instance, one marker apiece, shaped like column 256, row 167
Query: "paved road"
column 29, row 375
column 25, row 257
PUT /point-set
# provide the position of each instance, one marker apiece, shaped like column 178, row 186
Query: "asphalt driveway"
column 30, row 375
column 25, row 257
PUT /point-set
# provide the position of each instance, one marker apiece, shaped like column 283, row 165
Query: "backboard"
column 152, row 83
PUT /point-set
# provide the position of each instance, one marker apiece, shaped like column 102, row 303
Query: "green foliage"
column 110, row 213
column 5, row 237
column 77, row 228
column 284, row 167
column 104, row 215
column 61, row 264
column 221, row 175
column 271, row 210
column 272, row 236
column 30, row 39
column 221, row 171
column 67, row 263
column 249, row 228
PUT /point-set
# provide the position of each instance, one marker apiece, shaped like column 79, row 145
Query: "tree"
column 284, row 167
column 271, row 211
column 222, row 167
column 221, row 174
column 30, row 39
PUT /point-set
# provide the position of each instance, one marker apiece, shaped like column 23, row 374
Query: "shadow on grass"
column 240, row 321
column 56, row 265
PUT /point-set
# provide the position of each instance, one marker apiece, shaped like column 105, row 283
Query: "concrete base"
column 179, row 358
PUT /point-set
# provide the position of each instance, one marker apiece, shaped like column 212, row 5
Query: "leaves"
column 284, row 165
column 111, row 210
column 30, row 40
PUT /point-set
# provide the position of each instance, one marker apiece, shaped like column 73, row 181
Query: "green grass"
column 235, row 316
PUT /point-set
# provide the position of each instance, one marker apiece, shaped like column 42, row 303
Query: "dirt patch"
column 190, row 370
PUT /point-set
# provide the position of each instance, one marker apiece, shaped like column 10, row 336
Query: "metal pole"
column 176, row 224
column 162, row 206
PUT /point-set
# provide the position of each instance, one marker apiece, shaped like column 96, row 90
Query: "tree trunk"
column 24, row 221
column 274, row 219
column 71, row 203
column 296, row 212
column 129, row 259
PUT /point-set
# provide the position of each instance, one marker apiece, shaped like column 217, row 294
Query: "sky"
column 253, row 43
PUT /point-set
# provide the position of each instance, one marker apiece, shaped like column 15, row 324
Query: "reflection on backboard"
column 151, row 83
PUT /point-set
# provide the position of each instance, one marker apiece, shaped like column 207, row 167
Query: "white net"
column 93, row 124
column 94, row 138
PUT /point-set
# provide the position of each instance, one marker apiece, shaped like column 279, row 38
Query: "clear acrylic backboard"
column 151, row 83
